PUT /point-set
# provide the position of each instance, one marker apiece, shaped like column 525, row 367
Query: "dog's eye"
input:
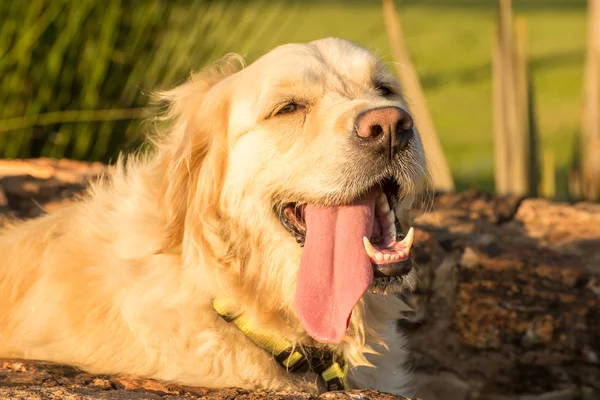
column 288, row 108
column 384, row 90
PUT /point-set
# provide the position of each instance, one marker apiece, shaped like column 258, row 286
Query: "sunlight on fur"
column 121, row 281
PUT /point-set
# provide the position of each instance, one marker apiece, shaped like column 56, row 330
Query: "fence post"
column 515, row 149
column 438, row 167
column 589, row 140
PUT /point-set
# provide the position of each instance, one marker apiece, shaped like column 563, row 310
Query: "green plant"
column 75, row 75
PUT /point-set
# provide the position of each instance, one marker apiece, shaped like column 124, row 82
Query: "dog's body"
column 121, row 282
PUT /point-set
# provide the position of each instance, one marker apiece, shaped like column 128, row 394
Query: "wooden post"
column 515, row 153
column 438, row 165
column 589, row 168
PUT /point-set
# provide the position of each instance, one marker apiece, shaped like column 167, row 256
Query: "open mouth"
column 348, row 249
column 387, row 247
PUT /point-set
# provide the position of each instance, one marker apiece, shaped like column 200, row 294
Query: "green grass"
column 450, row 42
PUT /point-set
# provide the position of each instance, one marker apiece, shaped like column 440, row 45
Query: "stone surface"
column 28, row 188
column 509, row 301
column 39, row 380
column 508, row 304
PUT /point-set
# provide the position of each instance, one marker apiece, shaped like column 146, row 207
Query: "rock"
column 566, row 229
column 39, row 380
column 508, row 304
column 522, row 320
column 29, row 188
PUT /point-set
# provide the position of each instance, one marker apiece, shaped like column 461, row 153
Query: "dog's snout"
column 387, row 129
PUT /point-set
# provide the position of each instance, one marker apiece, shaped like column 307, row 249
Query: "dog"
column 268, row 222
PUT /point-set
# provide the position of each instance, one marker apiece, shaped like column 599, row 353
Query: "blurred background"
column 506, row 94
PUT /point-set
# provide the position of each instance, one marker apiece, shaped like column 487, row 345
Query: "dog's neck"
column 330, row 366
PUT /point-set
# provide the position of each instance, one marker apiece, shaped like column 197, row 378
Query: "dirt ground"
column 507, row 306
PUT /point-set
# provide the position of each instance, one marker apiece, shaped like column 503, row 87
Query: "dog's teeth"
column 383, row 203
column 408, row 239
column 369, row 247
column 386, row 257
column 378, row 256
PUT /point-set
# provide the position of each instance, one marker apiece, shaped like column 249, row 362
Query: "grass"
column 450, row 42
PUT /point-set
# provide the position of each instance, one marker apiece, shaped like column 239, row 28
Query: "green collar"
column 331, row 367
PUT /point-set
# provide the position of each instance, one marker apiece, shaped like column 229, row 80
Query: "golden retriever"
column 283, row 186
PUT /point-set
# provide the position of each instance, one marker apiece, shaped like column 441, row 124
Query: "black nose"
column 386, row 129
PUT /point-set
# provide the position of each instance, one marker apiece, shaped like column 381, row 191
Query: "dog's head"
column 294, row 177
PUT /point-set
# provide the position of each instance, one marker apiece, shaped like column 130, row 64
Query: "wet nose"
column 385, row 129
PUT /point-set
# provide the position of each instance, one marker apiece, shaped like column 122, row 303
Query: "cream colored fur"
column 120, row 282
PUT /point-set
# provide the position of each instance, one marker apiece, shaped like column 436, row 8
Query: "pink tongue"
column 335, row 270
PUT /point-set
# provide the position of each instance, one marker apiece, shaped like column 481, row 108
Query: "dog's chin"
column 388, row 247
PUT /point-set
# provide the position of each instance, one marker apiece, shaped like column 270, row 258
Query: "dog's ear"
column 193, row 154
